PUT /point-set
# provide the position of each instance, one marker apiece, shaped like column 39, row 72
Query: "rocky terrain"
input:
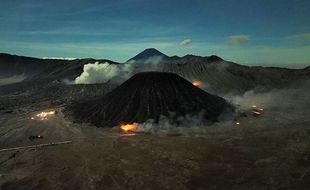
column 270, row 151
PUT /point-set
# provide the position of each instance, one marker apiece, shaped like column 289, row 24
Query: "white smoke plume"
column 103, row 72
column 151, row 64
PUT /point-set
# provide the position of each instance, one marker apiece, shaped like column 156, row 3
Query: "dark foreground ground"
column 269, row 152
column 268, row 157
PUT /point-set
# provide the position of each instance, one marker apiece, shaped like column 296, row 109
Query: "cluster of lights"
column 43, row 115
column 256, row 111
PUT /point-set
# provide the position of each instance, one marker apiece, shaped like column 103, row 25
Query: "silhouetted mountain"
column 35, row 68
column 147, row 54
column 29, row 66
column 149, row 95
column 220, row 76
column 214, row 58
column 217, row 75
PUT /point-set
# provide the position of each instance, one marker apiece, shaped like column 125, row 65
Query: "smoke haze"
column 103, row 72
column 283, row 108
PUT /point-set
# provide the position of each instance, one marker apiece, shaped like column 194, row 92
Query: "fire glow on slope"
column 129, row 127
column 197, row 83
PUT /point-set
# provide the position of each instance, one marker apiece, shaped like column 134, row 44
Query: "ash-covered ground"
column 267, row 152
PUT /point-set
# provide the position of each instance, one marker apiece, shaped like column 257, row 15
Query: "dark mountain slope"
column 16, row 65
column 221, row 76
column 218, row 75
column 37, row 69
column 146, row 96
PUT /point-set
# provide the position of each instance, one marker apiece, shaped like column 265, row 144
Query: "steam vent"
column 148, row 95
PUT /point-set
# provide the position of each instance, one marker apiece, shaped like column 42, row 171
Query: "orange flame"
column 196, row 83
column 129, row 127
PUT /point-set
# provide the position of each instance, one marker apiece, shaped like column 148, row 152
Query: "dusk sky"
column 252, row 32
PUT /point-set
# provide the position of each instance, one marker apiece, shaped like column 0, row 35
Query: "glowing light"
column 43, row 115
column 129, row 127
column 237, row 123
column 256, row 112
column 197, row 83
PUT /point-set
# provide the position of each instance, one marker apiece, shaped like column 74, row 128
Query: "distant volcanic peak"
column 214, row 58
column 150, row 95
column 147, row 54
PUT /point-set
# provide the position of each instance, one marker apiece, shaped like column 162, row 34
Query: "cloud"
column 60, row 58
column 185, row 43
column 238, row 39
column 303, row 38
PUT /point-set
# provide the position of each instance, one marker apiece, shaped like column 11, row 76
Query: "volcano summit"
column 149, row 95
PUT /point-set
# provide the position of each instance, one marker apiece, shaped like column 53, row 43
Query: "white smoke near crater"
column 150, row 64
column 283, row 108
column 103, row 72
